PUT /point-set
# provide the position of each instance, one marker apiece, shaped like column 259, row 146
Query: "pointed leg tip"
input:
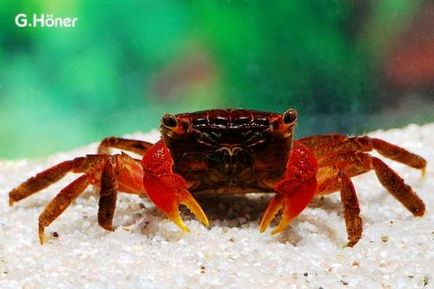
column 423, row 172
column 108, row 228
column 41, row 233
column 419, row 213
column 352, row 243
column 417, row 208
column 105, row 223
column 11, row 202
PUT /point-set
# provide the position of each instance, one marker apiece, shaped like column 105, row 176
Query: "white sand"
column 147, row 251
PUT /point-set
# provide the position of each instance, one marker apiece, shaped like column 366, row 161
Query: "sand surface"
column 148, row 251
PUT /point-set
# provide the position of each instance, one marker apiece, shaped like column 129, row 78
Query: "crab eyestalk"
column 169, row 121
column 169, row 125
column 289, row 117
column 283, row 126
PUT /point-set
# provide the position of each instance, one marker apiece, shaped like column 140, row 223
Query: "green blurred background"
column 347, row 66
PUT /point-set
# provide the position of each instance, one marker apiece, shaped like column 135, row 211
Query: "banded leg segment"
column 398, row 188
column 331, row 144
column 350, row 205
column 39, row 182
column 136, row 146
column 108, row 195
column 399, row 154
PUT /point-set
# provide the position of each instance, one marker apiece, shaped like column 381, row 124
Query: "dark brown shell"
column 228, row 151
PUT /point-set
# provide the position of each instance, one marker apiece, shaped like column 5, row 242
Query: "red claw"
column 295, row 191
column 166, row 189
column 157, row 159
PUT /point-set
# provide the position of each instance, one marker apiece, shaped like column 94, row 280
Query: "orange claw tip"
column 283, row 224
column 262, row 228
column 187, row 200
column 270, row 213
column 265, row 222
column 175, row 217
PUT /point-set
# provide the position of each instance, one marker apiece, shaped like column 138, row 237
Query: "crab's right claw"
column 166, row 189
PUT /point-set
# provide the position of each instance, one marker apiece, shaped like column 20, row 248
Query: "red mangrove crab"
column 229, row 151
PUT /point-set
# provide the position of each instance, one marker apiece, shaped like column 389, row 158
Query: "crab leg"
column 332, row 144
column 396, row 186
column 57, row 205
column 295, row 191
column 107, row 196
column 335, row 172
column 167, row 189
column 399, row 154
column 350, row 204
column 136, row 146
column 53, row 174
column 39, row 182
column 356, row 163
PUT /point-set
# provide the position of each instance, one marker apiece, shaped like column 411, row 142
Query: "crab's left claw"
column 169, row 191
column 292, row 202
column 166, row 189
column 295, row 191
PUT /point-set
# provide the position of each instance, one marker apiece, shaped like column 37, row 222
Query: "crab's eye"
column 169, row 121
column 289, row 116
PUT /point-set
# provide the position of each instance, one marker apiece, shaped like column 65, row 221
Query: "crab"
column 229, row 151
